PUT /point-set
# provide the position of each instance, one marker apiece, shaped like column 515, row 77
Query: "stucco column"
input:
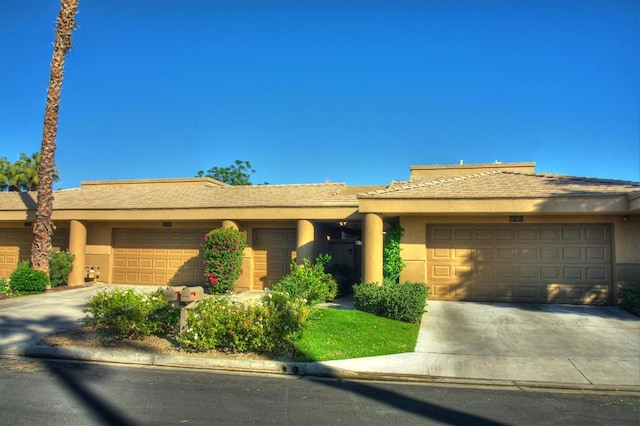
column 77, row 247
column 304, row 245
column 372, row 248
column 230, row 224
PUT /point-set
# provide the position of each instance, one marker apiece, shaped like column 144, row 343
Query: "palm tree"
column 12, row 177
column 43, row 226
column 27, row 170
column 5, row 170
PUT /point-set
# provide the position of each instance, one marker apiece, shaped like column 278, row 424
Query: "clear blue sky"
column 310, row 91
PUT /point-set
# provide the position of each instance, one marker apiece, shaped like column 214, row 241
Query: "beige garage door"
column 524, row 263
column 273, row 250
column 158, row 256
column 15, row 246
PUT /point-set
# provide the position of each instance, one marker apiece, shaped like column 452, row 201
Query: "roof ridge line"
column 422, row 184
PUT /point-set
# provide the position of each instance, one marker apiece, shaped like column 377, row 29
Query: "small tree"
column 223, row 250
column 237, row 174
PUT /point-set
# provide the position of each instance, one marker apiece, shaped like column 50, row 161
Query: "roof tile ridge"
column 586, row 179
column 423, row 184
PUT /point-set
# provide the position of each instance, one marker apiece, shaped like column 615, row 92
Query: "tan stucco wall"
column 627, row 250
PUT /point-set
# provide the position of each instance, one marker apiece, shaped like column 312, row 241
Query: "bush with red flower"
column 223, row 250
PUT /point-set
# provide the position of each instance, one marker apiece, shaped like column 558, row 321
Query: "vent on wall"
column 166, row 224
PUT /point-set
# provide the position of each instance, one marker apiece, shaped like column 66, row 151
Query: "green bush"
column 343, row 275
column 132, row 314
column 5, row 288
column 60, row 268
column 223, row 251
column 309, row 282
column 269, row 326
column 404, row 302
column 26, row 280
column 630, row 299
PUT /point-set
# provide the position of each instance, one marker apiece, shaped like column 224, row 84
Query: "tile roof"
column 504, row 184
column 156, row 195
column 162, row 194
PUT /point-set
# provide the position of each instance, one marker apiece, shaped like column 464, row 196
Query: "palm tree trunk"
column 43, row 227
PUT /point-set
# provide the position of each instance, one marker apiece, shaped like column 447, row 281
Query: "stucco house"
column 482, row 232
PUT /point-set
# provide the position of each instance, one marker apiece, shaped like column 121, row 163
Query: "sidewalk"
column 25, row 320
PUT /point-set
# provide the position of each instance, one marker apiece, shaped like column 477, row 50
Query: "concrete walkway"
column 542, row 346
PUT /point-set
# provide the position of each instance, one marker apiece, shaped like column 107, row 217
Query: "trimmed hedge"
column 26, row 280
column 131, row 314
column 630, row 300
column 269, row 326
column 404, row 302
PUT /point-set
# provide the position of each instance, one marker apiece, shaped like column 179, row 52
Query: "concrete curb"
column 316, row 369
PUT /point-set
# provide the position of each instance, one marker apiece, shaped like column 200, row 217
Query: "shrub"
column 630, row 299
column 392, row 259
column 343, row 275
column 26, row 280
column 60, row 267
column 269, row 326
column 309, row 282
column 404, row 302
column 223, row 250
column 132, row 314
column 5, row 288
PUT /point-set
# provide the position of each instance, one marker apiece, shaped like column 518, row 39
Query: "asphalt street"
column 38, row 391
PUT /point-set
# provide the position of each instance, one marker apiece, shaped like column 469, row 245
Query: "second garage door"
column 524, row 263
column 158, row 256
column 273, row 251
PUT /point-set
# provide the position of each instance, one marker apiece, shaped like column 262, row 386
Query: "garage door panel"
column 572, row 234
column 527, row 273
column 528, row 255
column 520, row 263
column 462, row 233
column 531, row 293
column 505, row 234
column 597, row 235
column 549, row 234
column 158, row 256
column 598, row 254
column 484, row 234
column 505, row 254
column 597, row 274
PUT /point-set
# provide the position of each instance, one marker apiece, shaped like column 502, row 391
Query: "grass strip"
column 342, row 334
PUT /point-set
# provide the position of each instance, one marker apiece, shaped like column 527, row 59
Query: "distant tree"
column 23, row 174
column 5, row 173
column 43, row 226
column 236, row 174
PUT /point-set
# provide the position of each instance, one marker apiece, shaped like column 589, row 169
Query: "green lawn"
column 342, row 334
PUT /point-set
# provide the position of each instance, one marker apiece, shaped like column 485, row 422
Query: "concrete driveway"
column 588, row 344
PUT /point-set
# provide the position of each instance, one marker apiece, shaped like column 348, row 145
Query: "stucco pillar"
column 304, row 245
column 77, row 247
column 372, row 248
column 230, row 224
